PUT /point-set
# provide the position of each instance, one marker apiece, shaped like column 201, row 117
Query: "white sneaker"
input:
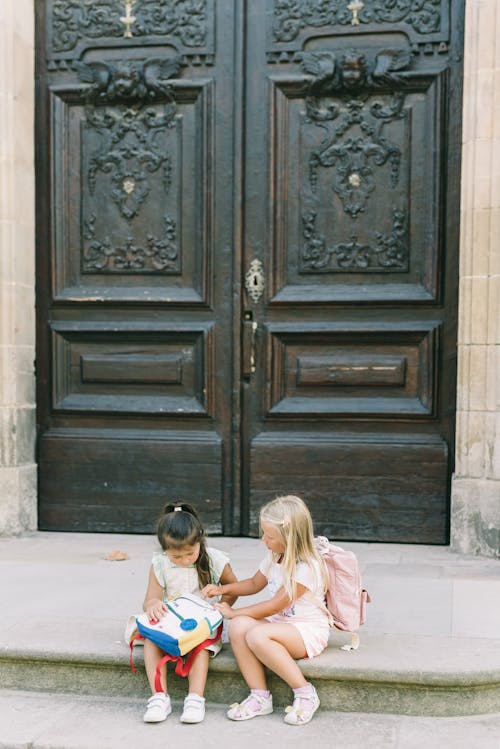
column 158, row 708
column 194, row 709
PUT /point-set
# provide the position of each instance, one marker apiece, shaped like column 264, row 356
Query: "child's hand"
column 226, row 610
column 210, row 591
column 155, row 610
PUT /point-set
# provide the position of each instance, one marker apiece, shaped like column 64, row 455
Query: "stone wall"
column 475, row 517
column 17, row 274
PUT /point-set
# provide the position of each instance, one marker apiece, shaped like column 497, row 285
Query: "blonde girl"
column 293, row 624
column 185, row 565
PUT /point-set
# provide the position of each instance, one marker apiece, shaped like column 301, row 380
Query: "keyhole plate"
column 254, row 280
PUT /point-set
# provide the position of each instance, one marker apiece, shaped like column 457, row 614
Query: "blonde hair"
column 292, row 519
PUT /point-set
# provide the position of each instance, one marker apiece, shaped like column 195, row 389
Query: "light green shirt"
column 176, row 580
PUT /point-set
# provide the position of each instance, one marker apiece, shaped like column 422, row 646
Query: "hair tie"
column 177, row 509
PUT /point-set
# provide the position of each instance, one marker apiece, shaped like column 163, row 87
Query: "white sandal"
column 302, row 710
column 251, row 707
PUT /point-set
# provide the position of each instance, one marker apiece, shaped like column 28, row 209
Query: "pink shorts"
column 315, row 636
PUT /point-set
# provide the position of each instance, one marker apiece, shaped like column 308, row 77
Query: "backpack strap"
column 354, row 644
column 183, row 665
column 133, row 639
column 322, row 605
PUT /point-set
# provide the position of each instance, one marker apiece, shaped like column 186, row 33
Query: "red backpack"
column 345, row 597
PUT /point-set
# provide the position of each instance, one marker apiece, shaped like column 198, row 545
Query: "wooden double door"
column 247, row 262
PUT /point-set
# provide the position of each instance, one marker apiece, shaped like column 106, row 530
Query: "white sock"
column 261, row 692
column 307, row 691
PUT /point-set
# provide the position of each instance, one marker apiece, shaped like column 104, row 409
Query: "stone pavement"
column 34, row 720
column 430, row 647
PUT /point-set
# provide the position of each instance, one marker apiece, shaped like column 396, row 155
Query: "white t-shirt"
column 176, row 580
column 307, row 608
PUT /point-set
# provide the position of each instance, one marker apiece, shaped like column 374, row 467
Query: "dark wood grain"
column 176, row 163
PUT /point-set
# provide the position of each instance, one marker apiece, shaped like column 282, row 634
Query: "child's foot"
column 194, row 709
column 253, row 705
column 158, row 708
column 305, row 704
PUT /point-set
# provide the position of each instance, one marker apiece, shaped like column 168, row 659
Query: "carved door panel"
column 135, row 261
column 351, row 221
column 247, row 243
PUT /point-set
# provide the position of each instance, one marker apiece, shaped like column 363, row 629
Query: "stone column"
column 475, row 509
column 17, row 269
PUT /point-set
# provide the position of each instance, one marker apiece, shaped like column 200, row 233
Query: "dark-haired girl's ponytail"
column 180, row 506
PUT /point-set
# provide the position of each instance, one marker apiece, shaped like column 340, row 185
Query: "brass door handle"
column 248, row 346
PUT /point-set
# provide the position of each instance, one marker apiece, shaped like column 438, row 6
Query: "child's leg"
column 159, row 706
column 250, row 666
column 152, row 656
column 277, row 646
column 197, row 676
column 194, row 704
column 259, row 701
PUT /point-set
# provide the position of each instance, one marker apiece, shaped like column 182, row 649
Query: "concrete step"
column 407, row 675
column 33, row 720
column 430, row 646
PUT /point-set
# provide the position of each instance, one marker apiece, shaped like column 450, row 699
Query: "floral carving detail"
column 73, row 21
column 292, row 16
column 389, row 251
column 349, row 101
column 353, row 158
column 160, row 255
column 337, row 100
column 130, row 108
column 127, row 134
column 130, row 154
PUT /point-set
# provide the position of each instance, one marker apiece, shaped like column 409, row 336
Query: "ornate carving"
column 355, row 6
column 75, row 21
column 130, row 108
column 390, row 251
column 352, row 71
column 128, row 81
column 349, row 101
column 255, row 280
column 352, row 157
column 292, row 16
column 127, row 146
column 128, row 19
column 159, row 255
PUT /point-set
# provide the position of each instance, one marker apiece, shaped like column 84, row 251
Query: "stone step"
column 406, row 675
column 430, row 646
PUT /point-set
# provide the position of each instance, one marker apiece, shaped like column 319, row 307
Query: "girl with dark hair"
column 185, row 565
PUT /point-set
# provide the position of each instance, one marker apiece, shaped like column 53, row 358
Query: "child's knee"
column 151, row 649
column 239, row 626
column 255, row 637
column 202, row 655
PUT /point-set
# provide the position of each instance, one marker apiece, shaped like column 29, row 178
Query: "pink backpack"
column 345, row 598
